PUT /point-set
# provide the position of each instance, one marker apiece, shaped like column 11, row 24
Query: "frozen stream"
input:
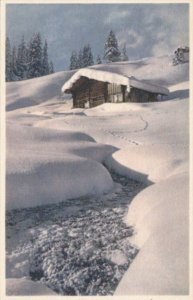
column 77, row 247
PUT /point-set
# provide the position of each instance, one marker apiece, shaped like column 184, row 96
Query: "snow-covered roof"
column 110, row 77
column 148, row 86
column 96, row 75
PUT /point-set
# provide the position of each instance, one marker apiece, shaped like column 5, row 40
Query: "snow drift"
column 160, row 215
column 35, row 91
column 42, row 169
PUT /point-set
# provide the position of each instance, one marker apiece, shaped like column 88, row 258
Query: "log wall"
column 137, row 95
column 97, row 93
column 91, row 93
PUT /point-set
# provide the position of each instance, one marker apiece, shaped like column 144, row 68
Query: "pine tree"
column 112, row 52
column 27, row 61
column 9, row 72
column 21, row 61
column 14, row 64
column 124, row 56
column 90, row 56
column 28, row 54
column 51, row 67
column 98, row 60
column 74, row 64
column 87, row 58
column 80, row 60
column 45, row 63
column 35, row 57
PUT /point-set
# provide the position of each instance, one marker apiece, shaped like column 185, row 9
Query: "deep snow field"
column 97, row 199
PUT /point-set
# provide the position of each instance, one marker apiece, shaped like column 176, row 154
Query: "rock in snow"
column 56, row 153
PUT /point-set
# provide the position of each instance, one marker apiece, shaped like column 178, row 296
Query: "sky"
column 146, row 29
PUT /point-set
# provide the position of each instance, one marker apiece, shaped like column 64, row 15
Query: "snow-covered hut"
column 91, row 87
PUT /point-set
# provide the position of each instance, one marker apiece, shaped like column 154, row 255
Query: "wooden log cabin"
column 92, row 87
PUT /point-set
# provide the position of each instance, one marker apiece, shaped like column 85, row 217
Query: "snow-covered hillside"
column 35, row 91
column 55, row 153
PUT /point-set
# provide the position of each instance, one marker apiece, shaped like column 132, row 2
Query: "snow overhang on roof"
column 96, row 75
column 110, row 77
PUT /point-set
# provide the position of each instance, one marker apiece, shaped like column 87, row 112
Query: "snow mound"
column 23, row 287
column 39, row 182
column 155, row 202
column 161, row 217
column 35, row 91
column 158, row 70
column 137, row 164
column 48, row 166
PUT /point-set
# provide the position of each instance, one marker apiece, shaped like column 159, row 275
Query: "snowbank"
column 159, row 207
column 160, row 215
column 35, row 91
column 150, row 163
column 55, row 180
column 48, row 166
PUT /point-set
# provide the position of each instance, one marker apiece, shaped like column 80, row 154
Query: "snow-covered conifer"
column 87, row 58
column 51, row 67
column 21, row 61
column 80, row 59
column 112, row 53
column 124, row 56
column 74, row 64
column 14, row 64
column 98, row 60
column 9, row 72
column 45, row 63
column 35, row 56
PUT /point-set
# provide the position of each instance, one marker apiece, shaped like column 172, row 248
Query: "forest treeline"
column 28, row 60
column 84, row 57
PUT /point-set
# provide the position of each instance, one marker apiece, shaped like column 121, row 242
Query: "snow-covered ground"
column 56, row 157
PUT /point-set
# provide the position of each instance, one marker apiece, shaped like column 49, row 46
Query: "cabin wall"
column 116, row 93
column 137, row 95
column 81, row 96
column 98, row 93
column 91, row 93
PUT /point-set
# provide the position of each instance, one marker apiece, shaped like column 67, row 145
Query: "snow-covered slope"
column 35, row 91
column 160, row 215
column 55, row 152
column 158, row 70
column 30, row 92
